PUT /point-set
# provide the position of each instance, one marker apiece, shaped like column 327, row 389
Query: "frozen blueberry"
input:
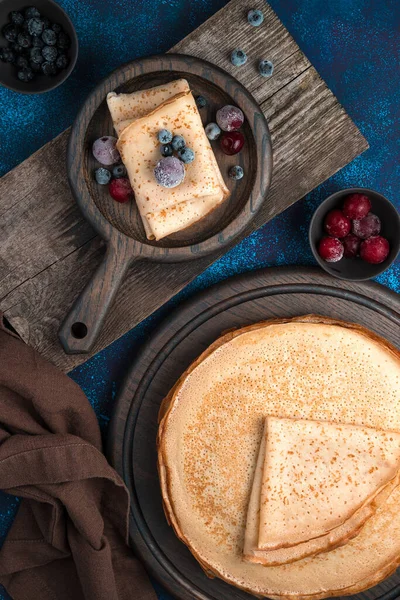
column 10, row 32
column 238, row 57
column 24, row 40
column 255, row 17
column 169, row 172
column 266, row 68
column 17, row 18
column 119, row 171
column 46, row 23
column 36, row 67
column 56, row 27
column 186, row 155
column 63, row 41
column 8, row 55
column 35, row 26
column 31, row 12
column 236, row 172
column 17, row 48
column 49, row 37
column 35, row 56
column 37, row 42
column 164, row 136
column 62, row 62
column 167, row 150
column 102, row 176
column 49, row 53
column 201, row 102
column 49, row 68
column 22, row 62
column 26, row 74
column 178, row 142
column 212, row 131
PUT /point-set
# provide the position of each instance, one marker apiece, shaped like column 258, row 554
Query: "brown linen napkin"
column 69, row 538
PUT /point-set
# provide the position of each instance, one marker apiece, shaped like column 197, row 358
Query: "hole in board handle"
column 79, row 330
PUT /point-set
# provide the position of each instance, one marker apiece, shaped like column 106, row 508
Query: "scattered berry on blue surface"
column 63, row 41
column 31, row 12
column 49, row 37
column 212, row 131
column 255, row 17
column 167, row 150
column 236, row 172
column 105, row 151
column 49, row 53
column 35, row 56
column 201, row 102
column 35, row 26
column 103, row 176
column 165, row 136
column 17, row 18
column 10, row 32
column 62, row 61
column 24, row 40
column 49, row 68
column 266, row 68
column 178, row 142
column 119, row 171
column 22, row 62
column 169, row 172
column 238, row 57
column 25, row 74
column 186, row 155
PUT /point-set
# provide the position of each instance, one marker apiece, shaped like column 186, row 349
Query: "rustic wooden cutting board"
column 47, row 250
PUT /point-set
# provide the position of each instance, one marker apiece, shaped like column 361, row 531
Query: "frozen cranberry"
column 232, row 142
column 336, row 224
column 369, row 225
column 120, row 189
column 330, row 249
column 356, row 206
column 230, row 117
column 374, row 250
column 351, row 244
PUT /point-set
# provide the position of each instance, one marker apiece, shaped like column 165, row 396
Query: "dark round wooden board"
column 120, row 224
column 192, row 327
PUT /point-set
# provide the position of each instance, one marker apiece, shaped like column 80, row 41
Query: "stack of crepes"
column 279, row 457
column 137, row 119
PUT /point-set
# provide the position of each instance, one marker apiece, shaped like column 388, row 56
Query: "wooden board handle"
column 81, row 327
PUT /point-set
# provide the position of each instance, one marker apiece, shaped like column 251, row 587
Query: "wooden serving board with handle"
column 48, row 251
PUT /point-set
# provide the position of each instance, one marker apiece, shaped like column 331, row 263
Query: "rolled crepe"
column 165, row 210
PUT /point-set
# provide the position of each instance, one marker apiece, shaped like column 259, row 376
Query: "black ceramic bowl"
column 355, row 269
column 41, row 83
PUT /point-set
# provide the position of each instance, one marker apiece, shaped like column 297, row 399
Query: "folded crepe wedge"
column 210, row 430
column 326, row 476
column 165, row 211
column 126, row 108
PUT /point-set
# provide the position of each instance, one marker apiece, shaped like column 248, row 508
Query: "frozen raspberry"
column 232, row 142
column 356, row 206
column 330, row 249
column 120, row 190
column 230, row 118
column 366, row 227
column 375, row 249
column 105, row 152
column 336, row 224
column 351, row 244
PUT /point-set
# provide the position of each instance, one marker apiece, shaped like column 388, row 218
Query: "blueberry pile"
column 35, row 44
column 171, row 143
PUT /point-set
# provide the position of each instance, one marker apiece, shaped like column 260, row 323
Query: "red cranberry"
column 369, row 225
column 356, row 206
column 120, row 189
column 336, row 224
column 232, row 142
column 351, row 245
column 374, row 250
column 330, row 249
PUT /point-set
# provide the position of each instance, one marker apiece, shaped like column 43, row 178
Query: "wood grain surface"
column 48, row 251
column 177, row 342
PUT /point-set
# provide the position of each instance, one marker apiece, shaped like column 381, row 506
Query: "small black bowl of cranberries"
column 38, row 45
column 355, row 234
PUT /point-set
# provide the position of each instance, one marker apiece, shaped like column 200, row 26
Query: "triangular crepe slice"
column 337, row 537
column 317, row 475
column 140, row 152
column 126, row 108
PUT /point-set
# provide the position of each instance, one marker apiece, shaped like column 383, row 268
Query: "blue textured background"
column 355, row 46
